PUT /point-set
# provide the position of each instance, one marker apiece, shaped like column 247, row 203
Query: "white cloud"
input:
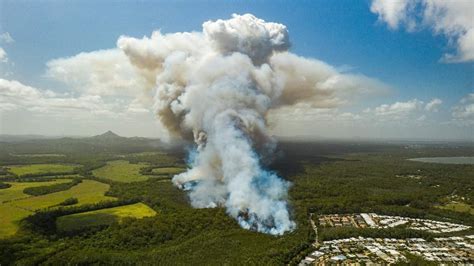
column 305, row 112
column 3, row 55
column 17, row 96
column 411, row 110
column 398, row 110
column 421, row 118
column 392, row 12
column 464, row 111
column 433, row 105
column 403, row 119
column 103, row 72
column 6, row 38
column 137, row 106
column 453, row 19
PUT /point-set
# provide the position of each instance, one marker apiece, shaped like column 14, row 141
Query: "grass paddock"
column 103, row 217
column 121, row 171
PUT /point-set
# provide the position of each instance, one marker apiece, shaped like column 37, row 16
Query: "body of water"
column 446, row 160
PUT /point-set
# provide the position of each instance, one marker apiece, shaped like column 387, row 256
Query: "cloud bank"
column 17, row 96
column 26, row 109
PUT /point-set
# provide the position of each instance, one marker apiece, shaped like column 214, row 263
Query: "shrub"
column 43, row 190
column 69, row 201
column 4, row 185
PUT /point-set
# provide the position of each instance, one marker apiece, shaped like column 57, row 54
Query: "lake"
column 446, row 160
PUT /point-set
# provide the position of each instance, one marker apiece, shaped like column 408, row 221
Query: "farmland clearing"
column 121, row 171
column 16, row 205
column 103, row 217
column 87, row 192
column 36, row 169
column 458, row 207
column 167, row 170
column 15, row 192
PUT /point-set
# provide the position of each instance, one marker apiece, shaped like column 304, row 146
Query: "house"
column 338, row 258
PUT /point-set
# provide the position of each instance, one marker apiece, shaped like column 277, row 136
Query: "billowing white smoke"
column 217, row 87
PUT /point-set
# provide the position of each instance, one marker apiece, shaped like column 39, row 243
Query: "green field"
column 21, row 170
column 167, row 170
column 62, row 176
column 88, row 191
column 12, row 215
column 20, row 205
column 39, row 155
column 103, row 217
column 147, row 153
column 10, row 219
column 121, row 171
column 15, row 192
column 458, row 207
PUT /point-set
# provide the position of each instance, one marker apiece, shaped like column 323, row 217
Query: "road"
column 315, row 228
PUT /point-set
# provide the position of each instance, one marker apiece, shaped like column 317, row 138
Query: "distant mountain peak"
column 109, row 134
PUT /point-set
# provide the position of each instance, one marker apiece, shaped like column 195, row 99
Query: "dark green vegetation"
column 43, row 190
column 102, row 217
column 326, row 178
column 69, row 201
column 4, row 185
column 37, row 170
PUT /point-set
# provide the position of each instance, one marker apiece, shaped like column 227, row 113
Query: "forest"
column 326, row 177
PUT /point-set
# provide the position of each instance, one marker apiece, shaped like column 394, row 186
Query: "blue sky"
column 344, row 34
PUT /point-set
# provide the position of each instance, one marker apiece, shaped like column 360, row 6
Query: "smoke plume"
column 217, row 87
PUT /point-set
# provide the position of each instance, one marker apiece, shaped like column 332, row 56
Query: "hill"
column 107, row 135
column 107, row 142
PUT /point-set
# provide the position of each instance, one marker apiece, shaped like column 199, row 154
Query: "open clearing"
column 458, row 207
column 121, row 171
column 146, row 153
column 15, row 192
column 11, row 216
column 39, row 155
column 21, row 205
column 87, row 192
column 167, row 170
column 61, row 176
column 103, row 217
column 21, row 170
